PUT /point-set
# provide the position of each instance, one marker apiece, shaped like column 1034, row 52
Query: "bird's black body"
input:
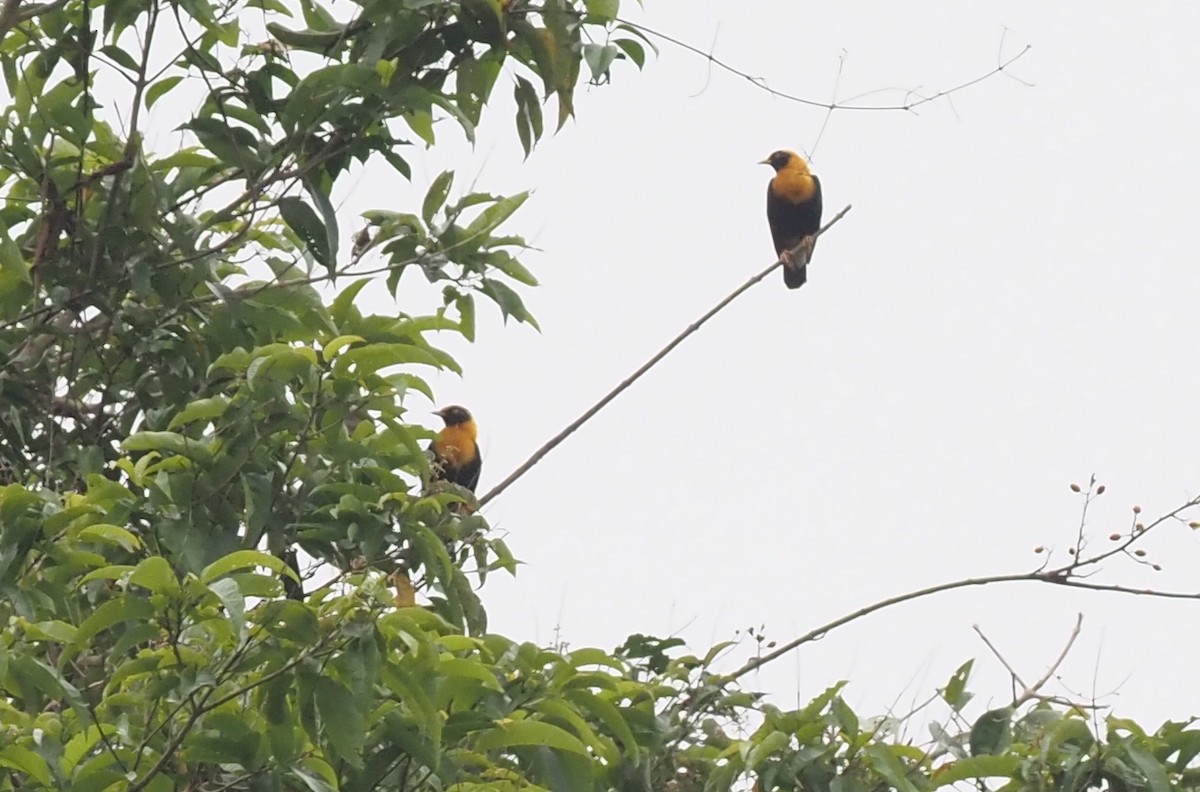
column 465, row 475
column 793, row 210
column 455, row 451
column 790, row 223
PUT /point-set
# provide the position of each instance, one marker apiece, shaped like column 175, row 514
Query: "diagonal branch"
column 635, row 376
column 1055, row 577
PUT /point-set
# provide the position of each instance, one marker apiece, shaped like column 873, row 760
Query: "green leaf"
column 49, row 681
column 369, row 359
column 529, row 114
column 1151, row 768
column 80, row 746
column 884, row 761
column 230, row 594
column 15, row 281
column 956, row 686
column 512, row 268
column 200, row 410
column 160, row 88
column 599, row 59
column 764, row 747
column 23, row 760
column 301, row 218
column 602, row 11
column 634, row 50
column 168, row 443
column 509, row 301
column 342, row 722
column 280, row 363
column 310, row 40
column 115, row 611
column 241, row 560
column 118, row 55
column 846, row 717
column 55, row 631
column 421, row 122
column 320, row 197
column 607, row 713
column 977, row 767
column 992, row 733
column 111, row 534
column 435, row 197
column 111, row 572
column 494, row 215
column 509, row 733
column 155, row 574
column 336, row 345
column 469, row 669
column 290, row 620
column 344, row 302
column 235, row 146
column 316, row 782
column 224, row 737
column 191, row 157
column 455, row 112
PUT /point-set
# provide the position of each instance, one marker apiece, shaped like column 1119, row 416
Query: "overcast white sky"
column 1010, row 306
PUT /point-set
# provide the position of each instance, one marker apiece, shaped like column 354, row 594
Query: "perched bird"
column 793, row 212
column 455, row 451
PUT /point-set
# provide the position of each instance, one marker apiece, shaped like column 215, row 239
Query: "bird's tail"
column 794, row 276
column 292, row 589
column 795, row 263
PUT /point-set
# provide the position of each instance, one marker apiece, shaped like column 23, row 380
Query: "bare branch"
column 996, row 652
column 820, row 632
column 1034, row 690
column 1065, row 576
column 649, row 364
column 9, row 15
column 760, row 83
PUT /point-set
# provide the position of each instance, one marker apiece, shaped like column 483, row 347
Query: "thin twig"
column 1012, row 671
column 762, row 84
column 1056, row 577
column 819, row 632
column 635, row 376
column 1032, row 691
column 837, row 84
column 1115, row 589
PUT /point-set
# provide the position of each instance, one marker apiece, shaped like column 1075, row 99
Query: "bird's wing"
column 468, row 474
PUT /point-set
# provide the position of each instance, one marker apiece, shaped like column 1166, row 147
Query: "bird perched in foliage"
column 456, row 454
column 793, row 212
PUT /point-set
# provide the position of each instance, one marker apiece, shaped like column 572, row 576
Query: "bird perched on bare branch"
column 794, row 213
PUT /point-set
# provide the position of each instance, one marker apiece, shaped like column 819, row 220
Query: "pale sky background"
column 1010, row 306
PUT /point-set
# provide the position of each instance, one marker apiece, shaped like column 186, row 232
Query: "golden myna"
column 793, row 212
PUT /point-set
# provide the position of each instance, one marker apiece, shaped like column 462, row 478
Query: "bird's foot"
column 805, row 249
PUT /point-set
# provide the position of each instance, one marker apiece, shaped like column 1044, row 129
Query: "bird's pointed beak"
column 763, row 162
column 440, row 413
